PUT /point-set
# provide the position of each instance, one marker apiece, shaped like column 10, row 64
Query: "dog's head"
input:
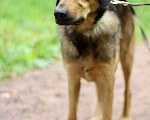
column 75, row 12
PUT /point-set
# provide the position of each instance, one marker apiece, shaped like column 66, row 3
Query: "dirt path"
column 42, row 94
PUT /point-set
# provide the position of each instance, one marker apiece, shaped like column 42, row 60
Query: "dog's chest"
column 77, row 45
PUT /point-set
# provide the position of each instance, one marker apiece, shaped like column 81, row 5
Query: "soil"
column 42, row 94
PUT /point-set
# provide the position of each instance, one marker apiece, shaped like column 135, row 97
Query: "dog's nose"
column 60, row 14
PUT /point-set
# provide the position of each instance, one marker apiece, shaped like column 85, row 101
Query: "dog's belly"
column 90, row 68
column 91, row 74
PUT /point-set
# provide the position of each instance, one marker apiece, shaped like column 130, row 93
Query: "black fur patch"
column 104, row 3
column 100, row 13
column 79, row 41
column 99, row 48
column 57, row 2
column 114, row 9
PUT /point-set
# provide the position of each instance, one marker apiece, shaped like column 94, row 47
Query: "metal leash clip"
column 124, row 3
column 117, row 2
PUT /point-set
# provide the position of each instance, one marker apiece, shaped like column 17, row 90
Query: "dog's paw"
column 126, row 118
column 72, row 118
column 95, row 118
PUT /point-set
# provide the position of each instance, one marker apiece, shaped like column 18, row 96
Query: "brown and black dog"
column 94, row 36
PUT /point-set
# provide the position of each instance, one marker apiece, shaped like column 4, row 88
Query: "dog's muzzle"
column 62, row 17
column 60, row 14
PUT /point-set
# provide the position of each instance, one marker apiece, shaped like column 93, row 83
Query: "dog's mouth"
column 70, row 21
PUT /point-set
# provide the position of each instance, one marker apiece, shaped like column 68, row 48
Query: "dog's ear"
column 104, row 3
column 57, row 2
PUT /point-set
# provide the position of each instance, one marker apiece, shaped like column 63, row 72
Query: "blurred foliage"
column 144, row 17
column 28, row 37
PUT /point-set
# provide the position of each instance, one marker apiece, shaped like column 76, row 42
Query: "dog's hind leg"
column 126, row 57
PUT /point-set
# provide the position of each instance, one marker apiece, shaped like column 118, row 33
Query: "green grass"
column 144, row 17
column 28, row 37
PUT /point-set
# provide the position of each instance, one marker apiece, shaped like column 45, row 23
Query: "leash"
column 124, row 3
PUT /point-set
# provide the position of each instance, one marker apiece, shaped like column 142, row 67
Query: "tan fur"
column 126, row 56
column 101, row 69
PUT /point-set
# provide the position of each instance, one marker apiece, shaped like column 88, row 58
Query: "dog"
column 95, row 35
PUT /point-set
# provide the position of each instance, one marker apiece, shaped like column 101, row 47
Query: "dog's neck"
column 92, row 19
column 90, row 30
column 96, row 25
column 100, row 12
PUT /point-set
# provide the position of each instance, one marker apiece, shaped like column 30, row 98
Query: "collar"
column 97, row 23
column 100, row 12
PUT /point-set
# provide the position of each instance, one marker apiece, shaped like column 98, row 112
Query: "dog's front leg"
column 74, row 88
column 104, row 85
